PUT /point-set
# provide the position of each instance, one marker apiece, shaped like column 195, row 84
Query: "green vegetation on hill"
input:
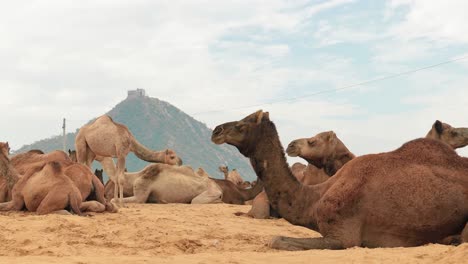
column 159, row 125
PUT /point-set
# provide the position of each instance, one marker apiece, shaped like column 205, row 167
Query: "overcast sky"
column 214, row 59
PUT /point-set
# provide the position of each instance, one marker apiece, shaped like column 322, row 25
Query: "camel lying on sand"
column 408, row 197
column 162, row 183
column 455, row 137
column 234, row 177
column 107, row 139
column 43, row 189
column 89, row 185
column 325, row 151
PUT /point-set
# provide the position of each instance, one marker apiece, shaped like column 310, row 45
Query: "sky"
column 219, row 61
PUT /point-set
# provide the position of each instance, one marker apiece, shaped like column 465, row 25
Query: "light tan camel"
column 43, row 189
column 232, row 176
column 91, row 189
column 408, row 197
column 455, row 137
column 162, row 183
column 105, row 139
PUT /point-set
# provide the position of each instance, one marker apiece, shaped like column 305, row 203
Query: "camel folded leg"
column 290, row 243
column 92, row 206
column 208, row 197
column 456, row 239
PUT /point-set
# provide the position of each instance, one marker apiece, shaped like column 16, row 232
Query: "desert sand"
column 180, row 233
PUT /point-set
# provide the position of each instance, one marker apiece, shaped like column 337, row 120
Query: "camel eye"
column 311, row 143
column 454, row 133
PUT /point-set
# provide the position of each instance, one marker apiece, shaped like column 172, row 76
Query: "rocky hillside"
column 159, row 125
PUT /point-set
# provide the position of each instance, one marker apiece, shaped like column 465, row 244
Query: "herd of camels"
column 411, row 196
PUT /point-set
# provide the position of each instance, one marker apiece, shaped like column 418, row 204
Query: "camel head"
column 455, row 137
column 314, row 148
column 223, row 169
column 72, row 155
column 239, row 133
column 5, row 148
column 171, row 158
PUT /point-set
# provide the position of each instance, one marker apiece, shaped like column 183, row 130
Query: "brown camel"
column 408, row 197
column 455, row 137
column 43, row 189
column 107, row 139
column 98, row 174
column 233, row 194
column 8, row 176
column 91, row 189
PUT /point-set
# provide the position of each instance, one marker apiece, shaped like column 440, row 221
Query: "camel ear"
column 266, row 116
column 438, row 127
column 259, row 114
column 331, row 135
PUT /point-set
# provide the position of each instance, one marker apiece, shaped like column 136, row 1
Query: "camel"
column 455, row 137
column 163, row 183
column 107, row 139
column 324, row 150
column 98, row 174
column 407, row 197
column 8, row 177
column 232, row 176
column 327, row 154
column 91, row 189
column 43, row 189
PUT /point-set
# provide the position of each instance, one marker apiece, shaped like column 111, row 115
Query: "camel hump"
column 55, row 166
column 36, row 151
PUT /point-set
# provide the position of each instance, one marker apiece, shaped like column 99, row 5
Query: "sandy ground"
column 179, row 233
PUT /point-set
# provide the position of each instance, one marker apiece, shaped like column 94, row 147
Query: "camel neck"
column 285, row 193
column 146, row 154
column 331, row 164
column 249, row 194
column 8, row 172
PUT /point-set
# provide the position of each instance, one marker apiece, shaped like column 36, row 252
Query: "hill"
column 160, row 125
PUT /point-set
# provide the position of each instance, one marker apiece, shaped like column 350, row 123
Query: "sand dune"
column 179, row 233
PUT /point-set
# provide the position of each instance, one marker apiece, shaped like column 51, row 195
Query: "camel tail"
column 143, row 152
column 74, row 203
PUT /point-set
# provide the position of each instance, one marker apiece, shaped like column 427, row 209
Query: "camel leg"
column 55, row 200
column 120, row 177
column 141, row 192
column 290, row 243
column 92, row 206
column 464, row 234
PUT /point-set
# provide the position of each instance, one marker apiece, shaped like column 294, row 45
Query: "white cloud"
column 442, row 21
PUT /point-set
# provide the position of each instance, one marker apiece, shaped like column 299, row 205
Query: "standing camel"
column 407, row 197
column 105, row 139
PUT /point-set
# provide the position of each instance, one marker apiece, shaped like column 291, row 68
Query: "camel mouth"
column 218, row 140
column 292, row 151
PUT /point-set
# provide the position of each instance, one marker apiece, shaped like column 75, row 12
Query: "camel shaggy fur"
column 105, row 139
column 408, row 197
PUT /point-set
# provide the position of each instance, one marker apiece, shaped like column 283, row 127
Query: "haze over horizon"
column 214, row 59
